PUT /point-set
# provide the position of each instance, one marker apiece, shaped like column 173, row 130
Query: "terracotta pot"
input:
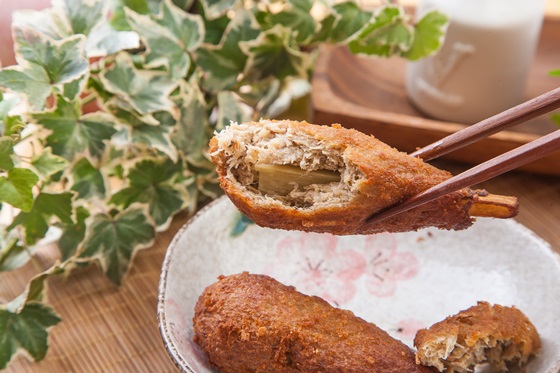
column 8, row 6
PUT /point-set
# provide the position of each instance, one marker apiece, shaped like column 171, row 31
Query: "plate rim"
column 172, row 351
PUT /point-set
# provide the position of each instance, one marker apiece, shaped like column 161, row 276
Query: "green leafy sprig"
column 106, row 118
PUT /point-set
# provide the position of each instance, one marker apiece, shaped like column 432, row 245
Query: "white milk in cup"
column 483, row 66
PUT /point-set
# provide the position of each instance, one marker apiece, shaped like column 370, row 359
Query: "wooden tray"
column 369, row 94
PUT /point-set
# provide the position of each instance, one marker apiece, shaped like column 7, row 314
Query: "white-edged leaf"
column 169, row 36
column 105, row 40
column 16, row 188
column 114, row 240
column 429, row 33
column 152, row 181
column 296, row 16
column 147, row 91
column 37, row 220
column 6, row 152
column 84, row 15
column 73, row 234
column 47, row 164
column 87, row 181
column 274, row 53
column 389, row 34
column 74, row 133
column 192, row 130
column 223, row 63
column 51, row 22
column 217, row 8
column 28, row 80
column 26, row 330
column 12, row 254
column 230, row 109
column 345, row 20
column 62, row 60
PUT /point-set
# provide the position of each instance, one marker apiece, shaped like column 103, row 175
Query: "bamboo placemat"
column 104, row 328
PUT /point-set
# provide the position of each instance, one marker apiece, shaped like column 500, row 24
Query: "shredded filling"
column 319, row 175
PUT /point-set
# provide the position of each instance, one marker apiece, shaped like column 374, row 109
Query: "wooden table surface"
column 110, row 329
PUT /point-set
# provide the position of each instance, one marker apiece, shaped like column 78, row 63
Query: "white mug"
column 483, row 65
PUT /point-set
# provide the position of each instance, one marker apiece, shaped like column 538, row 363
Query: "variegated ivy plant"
column 106, row 117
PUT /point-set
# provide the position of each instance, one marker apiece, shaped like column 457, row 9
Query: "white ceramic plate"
column 401, row 282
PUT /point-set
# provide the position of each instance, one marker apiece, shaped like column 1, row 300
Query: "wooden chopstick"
column 517, row 157
column 509, row 118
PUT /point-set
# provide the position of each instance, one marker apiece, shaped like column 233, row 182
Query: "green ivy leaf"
column 73, row 89
column 223, row 63
column 215, row 28
column 152, row 182
column 169, row 36
column 429, row 33
column 389, row 34
column 345, row 20
column 106, row 41
column 63, row 60
column 115, row 240
column 73, row 234
column 12, row 254
column 6, row 105
column 143, row 129
column 146, row 91
column 16, row 188
column 13, row 125
column 37, row 220
column 192, row 129
column 83, row 16
column 230, row 109
column 46, row 164
column 87, row 180
column 6, row 152
column 51, row 22
column 68, row 17
column 207, row 184
column 216, row 8
column 29, row 80
column 555, row 72
column 274, row 54
column 241, row 223
column 118, row 20
column 297, row 17
column 35, row 290
column 25, row 330
column 74, row 133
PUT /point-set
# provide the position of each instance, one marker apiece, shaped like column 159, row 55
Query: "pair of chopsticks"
column 517, row 157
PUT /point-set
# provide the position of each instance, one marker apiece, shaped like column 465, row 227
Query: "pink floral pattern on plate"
column 321, row 268
column 386, row 265
column 325, row 267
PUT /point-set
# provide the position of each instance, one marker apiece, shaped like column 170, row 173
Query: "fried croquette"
column 296, row 175
column 483, row 333
column 253, row 323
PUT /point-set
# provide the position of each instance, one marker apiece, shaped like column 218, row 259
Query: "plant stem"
column 86, row 100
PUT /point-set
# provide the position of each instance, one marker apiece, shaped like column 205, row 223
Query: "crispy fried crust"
column 253, row 323
column 482, row 333
column 380, row 177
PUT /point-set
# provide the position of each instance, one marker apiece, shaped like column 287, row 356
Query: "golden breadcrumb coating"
column 253, row 323
column 373, row 176
column 483, row 333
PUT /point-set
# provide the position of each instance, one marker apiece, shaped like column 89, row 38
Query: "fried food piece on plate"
column 296, row 175
column 483, row 333
column 253, row 323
